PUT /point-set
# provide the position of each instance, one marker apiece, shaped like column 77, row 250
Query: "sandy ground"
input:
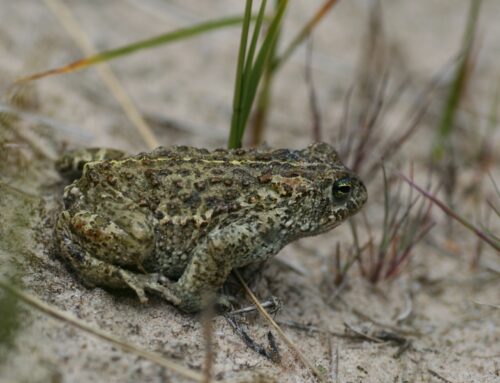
column 445, row 314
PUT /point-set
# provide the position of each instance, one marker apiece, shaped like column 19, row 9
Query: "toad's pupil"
column 344, row 189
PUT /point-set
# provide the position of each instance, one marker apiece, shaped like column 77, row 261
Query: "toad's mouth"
column 332, row 225
column 326, row 228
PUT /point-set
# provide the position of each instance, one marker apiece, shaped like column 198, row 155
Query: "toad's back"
column 186, row 182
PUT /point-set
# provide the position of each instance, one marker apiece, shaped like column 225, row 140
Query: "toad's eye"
column 342, row 188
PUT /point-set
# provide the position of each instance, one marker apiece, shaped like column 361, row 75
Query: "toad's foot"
column 149, row 282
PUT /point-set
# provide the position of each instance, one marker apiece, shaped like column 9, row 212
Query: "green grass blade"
column 234, row 135
column 458, row 86
column 255, row 37
column 153, row 42
column 250, row 57
column 263, row 102
column 259, row 65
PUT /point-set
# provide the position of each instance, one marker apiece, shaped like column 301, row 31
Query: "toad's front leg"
column 245, row 241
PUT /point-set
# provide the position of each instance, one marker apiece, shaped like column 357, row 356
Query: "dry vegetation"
column 407, row 291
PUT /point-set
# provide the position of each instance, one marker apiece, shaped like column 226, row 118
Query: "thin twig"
column 362, row 334
column 451, row 213
column 314, row 329
column 278, row 329
column 207, row 324
column 273, row 304
column 366, row 317
column 272, row 354
column 435, row 374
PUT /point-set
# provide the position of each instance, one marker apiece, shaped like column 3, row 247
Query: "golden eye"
column 342, row 188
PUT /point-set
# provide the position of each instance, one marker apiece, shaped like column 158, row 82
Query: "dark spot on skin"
column 278, row 165
column 74, row 251
column 215, row 180
column 244, row 176
column 177, row 183
column 263, row 157
column 220, row 209
column 291, row 173
column 193, row 200
column 200, row 185
column 239, row 152
column 217, row 171
column 159, row 214
column 228, row 182
column 253, row 199
column 284, row 189
column 231, row 194
column 351, row 206
column 265, row 177
column 160, row 151
column 282, row 154
column 213, row 202
column 185, row 172
column 301, row 189
column 93, row 176
column 152, row 177
column 234, row 206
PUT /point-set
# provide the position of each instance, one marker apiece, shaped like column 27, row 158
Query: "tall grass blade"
column 251, row 53
column 458, row 86
column 260, row 61
column 234, row 140
column 249, row 72
column 128, row 49
column 259, row 117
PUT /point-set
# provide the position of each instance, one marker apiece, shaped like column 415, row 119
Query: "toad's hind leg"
column 98, row 250
column 96, row 272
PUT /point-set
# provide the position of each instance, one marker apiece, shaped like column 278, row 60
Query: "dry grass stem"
column 125, row 346
column 66, row 18
column 278, row 329
column 490, row 240
column 313, row 100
